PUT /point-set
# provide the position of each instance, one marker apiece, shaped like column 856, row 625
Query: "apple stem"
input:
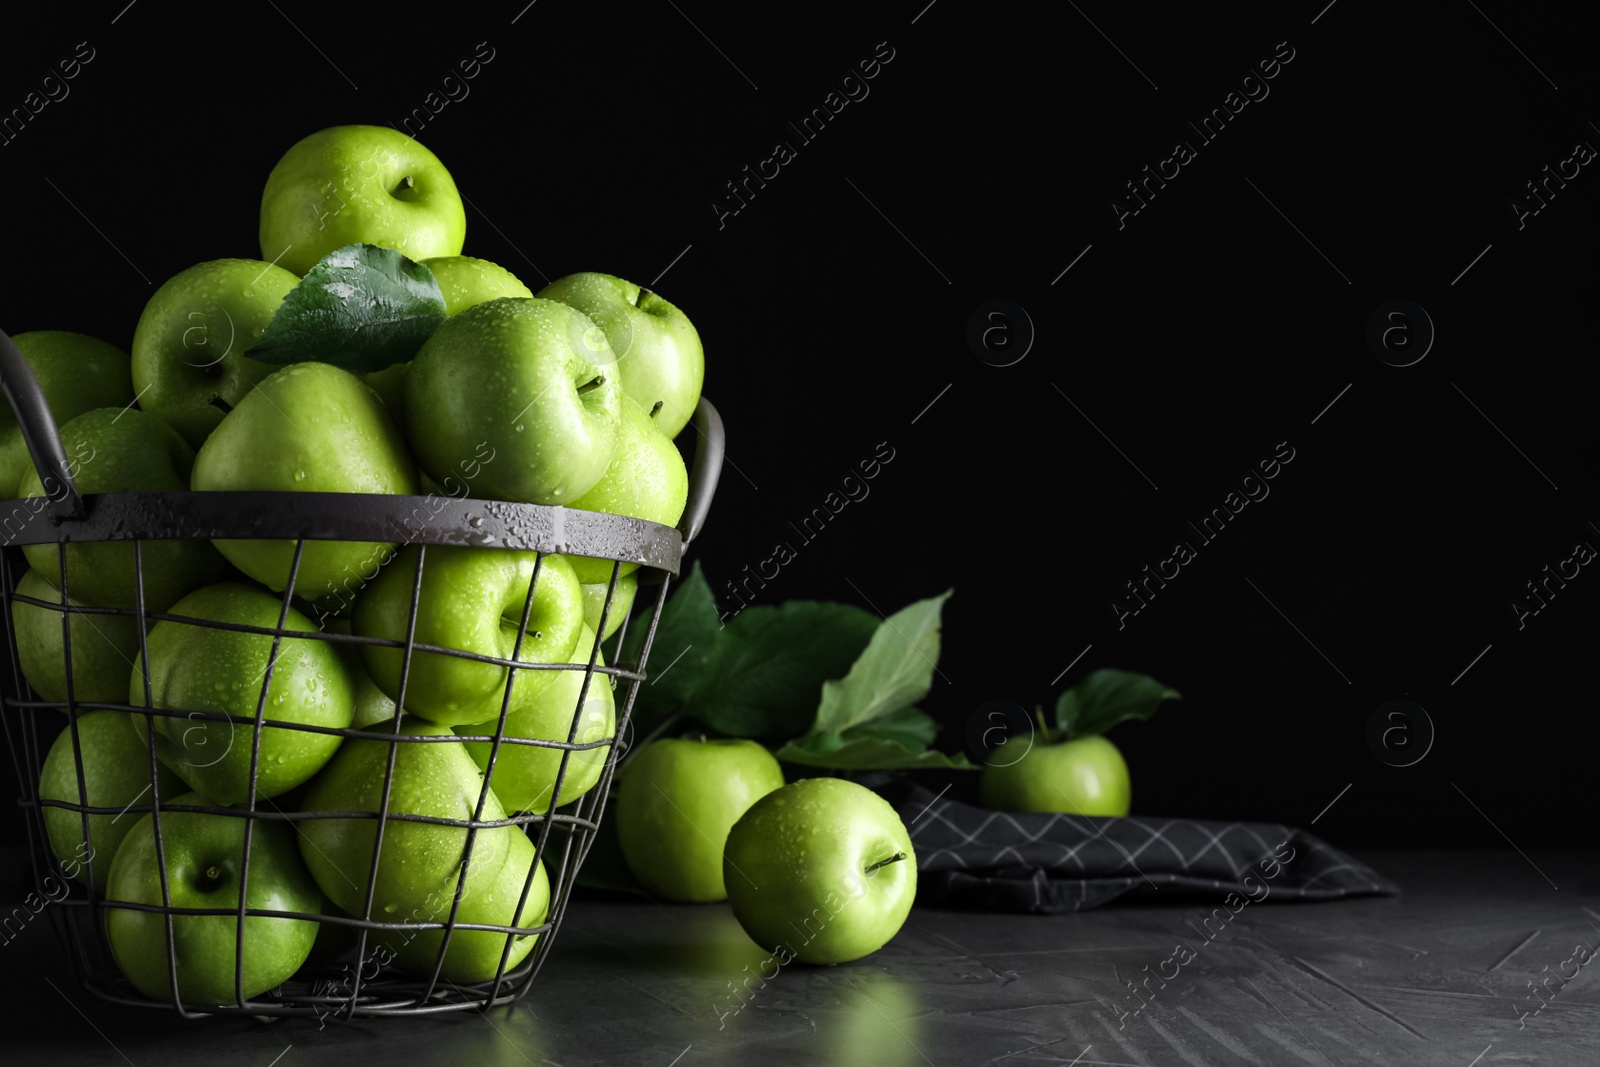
column 643, row 292
column 405, row 183
column 599, row 380
column 656, row 408
column 1044, row 729
column 221, row 404
column 872, row 868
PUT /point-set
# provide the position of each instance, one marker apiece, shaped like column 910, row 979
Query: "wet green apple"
column 189, row 363
column 646, row 479
column 420, row 861
column 103, row 647
column 594, row 602
column 821, row 870
column 655, row 348
column 124, row 450
column 514, row 375
column 313, row 428
column 467, row 282
column 204, row 865
column 359, row 185
column 525, row 775
column 116, row 774
column 196, row 668
column 76, row 373
column 491, row 897
column 472, row 600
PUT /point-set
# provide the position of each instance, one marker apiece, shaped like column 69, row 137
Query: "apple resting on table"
column 820, row 871
column 677, row 800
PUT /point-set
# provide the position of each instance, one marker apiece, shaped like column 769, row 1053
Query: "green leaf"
column 861, row 753
column 685, row 641
column 910, row 727
column 769, row 664
column 895, row 671
column 360, row 307
column 1107, row 697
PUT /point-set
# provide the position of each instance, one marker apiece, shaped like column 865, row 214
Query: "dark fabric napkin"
column 972, row 858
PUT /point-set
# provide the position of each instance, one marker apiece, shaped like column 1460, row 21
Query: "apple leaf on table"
column 360, row 308
column 769, row 663
column 685, row 638
column 825, row 684
column 897, row 741
column 865, row 720
column 894, row 672
column 1107, row 697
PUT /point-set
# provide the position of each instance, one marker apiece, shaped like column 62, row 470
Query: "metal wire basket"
column 357, row 983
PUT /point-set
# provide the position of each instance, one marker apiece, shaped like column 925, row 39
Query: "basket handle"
column 39, row 432
column 708, row 455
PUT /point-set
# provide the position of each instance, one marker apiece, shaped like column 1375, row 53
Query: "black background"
column 1221, row 320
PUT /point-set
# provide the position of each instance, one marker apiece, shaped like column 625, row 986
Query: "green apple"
column 195, row 668
column 646, row 480
column 390, row 385
column 76, row 373
column 312, row 428
column 103, row 647
column 656, row 348
column 594, row 602
column 675, row 805
column 1081, row 776
column 359, row 185
column 509, row 375
column 525, row 775
column 189, row 362
column 420, row 860
column 113, row 450
column 368, row 704
column 490, row 897
column 471, row 599
column 116, row 774
column 821, row 870
column 467, row 282
column 204, row 865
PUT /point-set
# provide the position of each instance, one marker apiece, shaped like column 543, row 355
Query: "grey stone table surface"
column 1475, row 964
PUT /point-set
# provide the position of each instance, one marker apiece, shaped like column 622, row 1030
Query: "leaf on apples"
column 769, row 663
column 897, row 741
column 1107, row 697
column 361, row 308
column 894, row 672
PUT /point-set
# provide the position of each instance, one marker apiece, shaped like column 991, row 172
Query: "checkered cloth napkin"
column 969, row 857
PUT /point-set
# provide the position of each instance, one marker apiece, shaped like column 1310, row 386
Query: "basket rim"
column 467, row 522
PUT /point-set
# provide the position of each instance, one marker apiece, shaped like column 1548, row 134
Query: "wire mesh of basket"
column 355, row 968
